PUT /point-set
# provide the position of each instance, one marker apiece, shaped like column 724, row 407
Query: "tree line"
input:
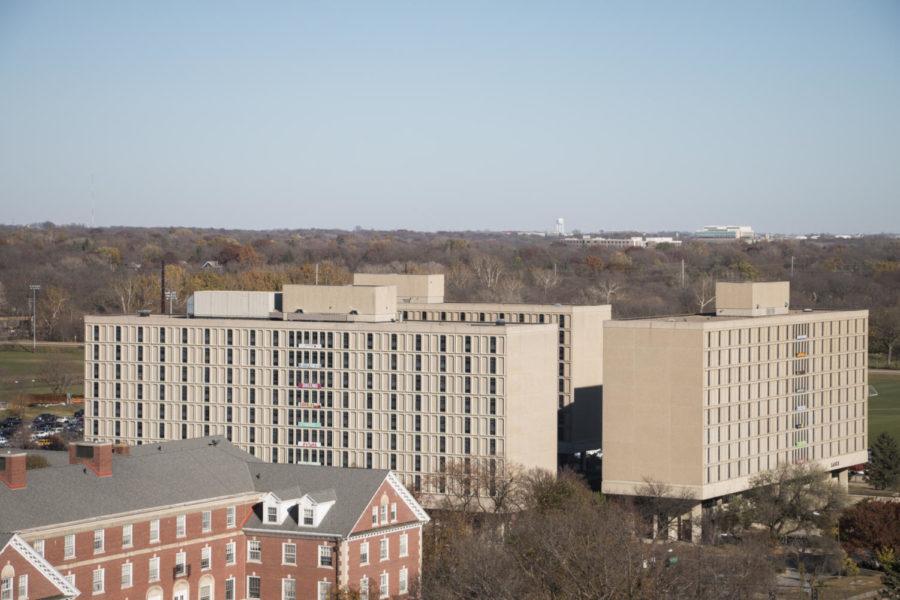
column 116, row 270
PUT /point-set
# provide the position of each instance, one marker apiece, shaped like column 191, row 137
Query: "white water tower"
column 560, row 227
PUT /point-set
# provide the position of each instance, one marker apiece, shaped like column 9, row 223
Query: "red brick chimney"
column 12, row 469
column 97, row 456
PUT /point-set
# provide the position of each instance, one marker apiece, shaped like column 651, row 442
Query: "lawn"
column 20, row 373
column 884, row 409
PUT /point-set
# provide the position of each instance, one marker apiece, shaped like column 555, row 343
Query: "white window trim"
column 102, row 590
column 69, row 550
column 130, row 570
column 181, row 526
column 403, row 581
column 233, row 586
column 206, row 554
column 128, row 541
column 206, row 521
column 23, row 587
column 384, row 585
column 386, row 544
column 231, row 517
column 258, row 546
column 99, row 535
column 368, row 556
column 404, row 545
column 284, row 547
column 153, row 560
column 249, row 577
column 330, row 554
column 284, row 581
column 154, row 531
column 233, row 547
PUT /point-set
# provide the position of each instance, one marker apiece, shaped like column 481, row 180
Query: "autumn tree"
column 56, row 374
column 883, row 469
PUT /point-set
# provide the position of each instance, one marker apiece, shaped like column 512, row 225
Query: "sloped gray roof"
column 5, row 536
column 161, row 475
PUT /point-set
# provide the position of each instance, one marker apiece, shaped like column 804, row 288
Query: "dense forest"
column 113, row 270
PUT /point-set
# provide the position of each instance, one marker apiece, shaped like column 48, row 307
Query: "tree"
column 704, row 292
column 883, row 470
column 660, row 505
column 56, row 374
column 52, row 306
column 546, row 280
column 886, row 329
column 891, row 577
column 869, row 527
column 790, row 499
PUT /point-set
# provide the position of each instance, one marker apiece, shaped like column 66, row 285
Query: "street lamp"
column 34, row 290
column 171, row 297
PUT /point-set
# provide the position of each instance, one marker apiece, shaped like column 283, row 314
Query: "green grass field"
column 20, row 374
column 884, row 409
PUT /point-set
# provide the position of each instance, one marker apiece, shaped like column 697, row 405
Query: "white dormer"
column 274, row 509
column 312, row 508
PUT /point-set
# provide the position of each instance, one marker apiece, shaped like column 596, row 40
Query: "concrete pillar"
column 844, row 479
column 697, row 523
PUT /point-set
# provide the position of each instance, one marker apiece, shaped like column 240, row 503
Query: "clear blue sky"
column 451, row 115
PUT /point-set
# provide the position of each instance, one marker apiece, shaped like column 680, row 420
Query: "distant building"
column 629, row 242
column 705, row 403
column 201, row 519
column 725, row 233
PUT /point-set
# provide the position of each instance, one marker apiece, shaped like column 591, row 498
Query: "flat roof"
column 695, row 320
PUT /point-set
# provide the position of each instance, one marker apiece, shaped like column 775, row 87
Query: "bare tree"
column 661, row 506
column 608, row 287
column 56, row 374
column 886, row 329
column 704, row 292
column 489, row 270
column 53, row 304
column 546, row 280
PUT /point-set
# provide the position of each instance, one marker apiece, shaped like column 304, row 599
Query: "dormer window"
column 374, row 516
column 384, row 513
column 393, row 512
column 272, row 514
column 308, row 516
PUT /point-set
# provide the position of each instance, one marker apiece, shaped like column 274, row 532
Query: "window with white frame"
column 38, row 546
column 98, row 580
column 383, row 549
column 288, row 589
column 99, row 535
column 324, row 556
column 180, row 526
column 383, row 586
column 404, row 581
column 309, row 516
column 324, row 590
column 205, row 591
column 23, row 587
column 384, row 513
column 6, row 588
column 364, row 553
column 153, row 569
column 206, row 521
column 230, row 519
column 393, row 512
column 374, row 516
column 127, row 536
column 69, row 546
column 127, row 579
column 288, row 554
column 229, row 553
column 364, row 588
column 154, row 531
column 404, row 545
column 205, row 558
column 229, row 589
column 254, row 551
column 272, row 514
column 180, row 564
column 253, row 585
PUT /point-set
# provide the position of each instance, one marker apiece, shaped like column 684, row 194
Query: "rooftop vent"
column 143, row 312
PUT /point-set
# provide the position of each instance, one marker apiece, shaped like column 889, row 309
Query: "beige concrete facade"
column 705, row 403
column 427, row 289
column 396, row 395
column 578, row 360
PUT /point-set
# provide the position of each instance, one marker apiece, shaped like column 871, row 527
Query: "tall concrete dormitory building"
column 704, row 403
column 579, row 352
column 327, row 375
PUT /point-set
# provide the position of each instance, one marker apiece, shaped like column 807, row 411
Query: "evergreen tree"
column 884, row 467
column 891, row 580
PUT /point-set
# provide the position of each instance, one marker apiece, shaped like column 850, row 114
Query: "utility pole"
column 792, row 267
column 317, row 273
column 34, row 290
column 682, row 273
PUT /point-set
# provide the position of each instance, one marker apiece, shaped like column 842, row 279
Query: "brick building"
column 202, row 519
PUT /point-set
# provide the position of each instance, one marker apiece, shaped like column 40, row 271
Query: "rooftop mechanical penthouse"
column 327, row 375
